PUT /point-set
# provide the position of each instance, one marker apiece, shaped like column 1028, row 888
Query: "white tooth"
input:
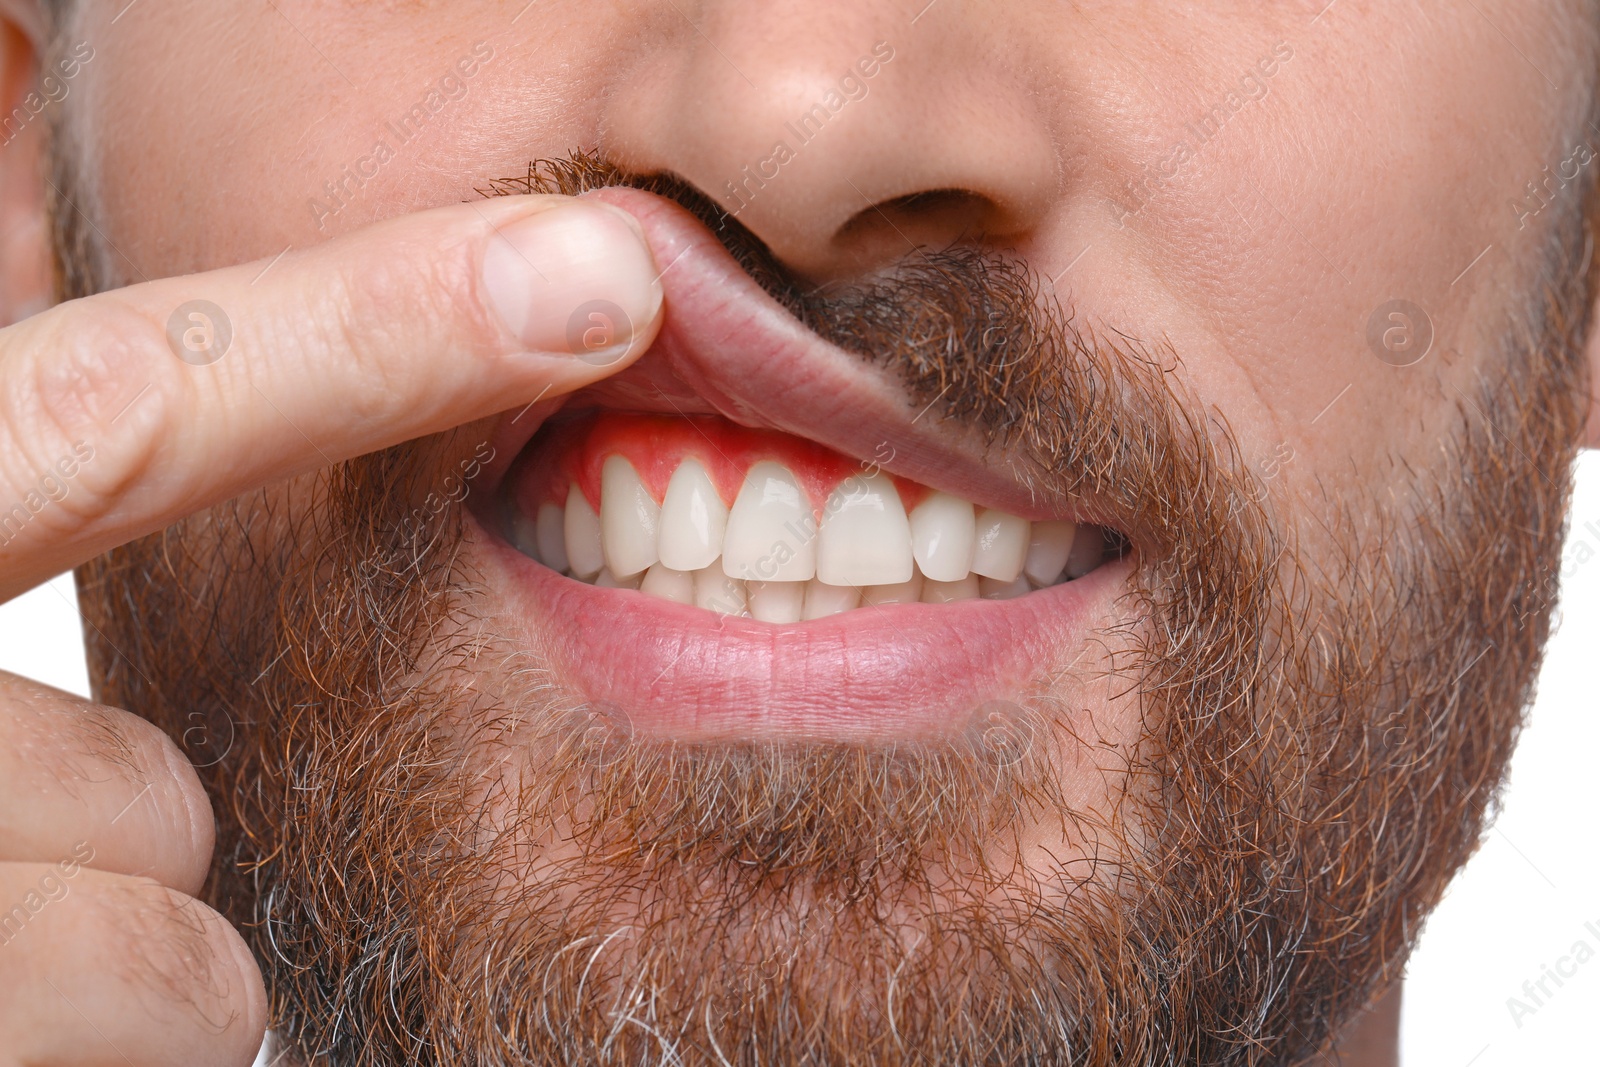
column 715, row 591
column 606, row 580
column 780, row 602
column 524, row 535
column 1088, row 549
column 994, row 589
column 865, row 537
column 581, row 527
column 550, row 537
column 693, row 519
column 1048, row 548
column 1002, row 545
column 900, row 593
column 771, row 530
column 668, row 584
column 949, row 592
column 823, row 599
column 629, row 516
column 942, row 532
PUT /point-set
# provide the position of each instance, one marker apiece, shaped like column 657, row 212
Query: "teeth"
column 771, row 531
column 629, row 516
column 823, row 599
column 551, row 538
column 865, row 537
column 903, row 593
column 1002, row 545
column 942, row 532
column 715, row 591
column 581, row 527
column 765, row 558
column 777, row 602
column 668, row 584
column 694, row 519
column 1048, row 548
column 994, row 589
column 949, row 592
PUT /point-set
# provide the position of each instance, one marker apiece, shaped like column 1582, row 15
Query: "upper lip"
column 728, row 347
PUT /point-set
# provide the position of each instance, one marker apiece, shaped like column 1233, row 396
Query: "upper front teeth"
column 629, row 516
column 771, row 534
column 943, row 530
column 694, row 520
column 769, row 557
column 865, row 538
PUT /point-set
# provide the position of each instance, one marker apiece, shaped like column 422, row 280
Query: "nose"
column 842, row 135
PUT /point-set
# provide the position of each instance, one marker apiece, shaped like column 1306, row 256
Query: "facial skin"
column 1255, row 771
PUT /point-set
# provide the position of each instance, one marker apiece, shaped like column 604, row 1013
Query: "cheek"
column 1321, row 236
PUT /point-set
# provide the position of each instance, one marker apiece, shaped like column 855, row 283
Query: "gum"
column 656, row 444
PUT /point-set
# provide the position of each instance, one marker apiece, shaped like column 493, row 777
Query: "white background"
column 1521, row 904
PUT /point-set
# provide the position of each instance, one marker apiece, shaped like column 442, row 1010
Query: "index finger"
column 121, row 413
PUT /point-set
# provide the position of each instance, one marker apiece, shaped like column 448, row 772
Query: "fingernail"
column 576, row 278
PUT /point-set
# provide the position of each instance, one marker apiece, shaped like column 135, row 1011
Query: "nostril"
column 947, row 206
column 932, row 218
column 945, row 214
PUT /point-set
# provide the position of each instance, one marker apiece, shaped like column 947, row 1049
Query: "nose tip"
column 839, row 148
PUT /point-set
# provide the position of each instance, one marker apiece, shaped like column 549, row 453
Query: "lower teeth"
column 784, row 602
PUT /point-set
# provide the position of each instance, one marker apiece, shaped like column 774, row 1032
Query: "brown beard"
column 435, row 874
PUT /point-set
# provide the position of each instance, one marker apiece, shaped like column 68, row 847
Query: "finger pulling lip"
column 902, row 671
column 727, row 347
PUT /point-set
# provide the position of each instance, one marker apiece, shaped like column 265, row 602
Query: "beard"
column 441, row 854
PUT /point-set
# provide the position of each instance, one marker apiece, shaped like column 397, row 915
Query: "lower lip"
column 901, row 671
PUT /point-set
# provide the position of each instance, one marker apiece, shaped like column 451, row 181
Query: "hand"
column 123, row 412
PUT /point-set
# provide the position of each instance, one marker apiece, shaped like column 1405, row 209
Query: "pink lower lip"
column 902, row 671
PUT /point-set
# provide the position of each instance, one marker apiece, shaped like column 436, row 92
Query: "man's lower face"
column 621, row 731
